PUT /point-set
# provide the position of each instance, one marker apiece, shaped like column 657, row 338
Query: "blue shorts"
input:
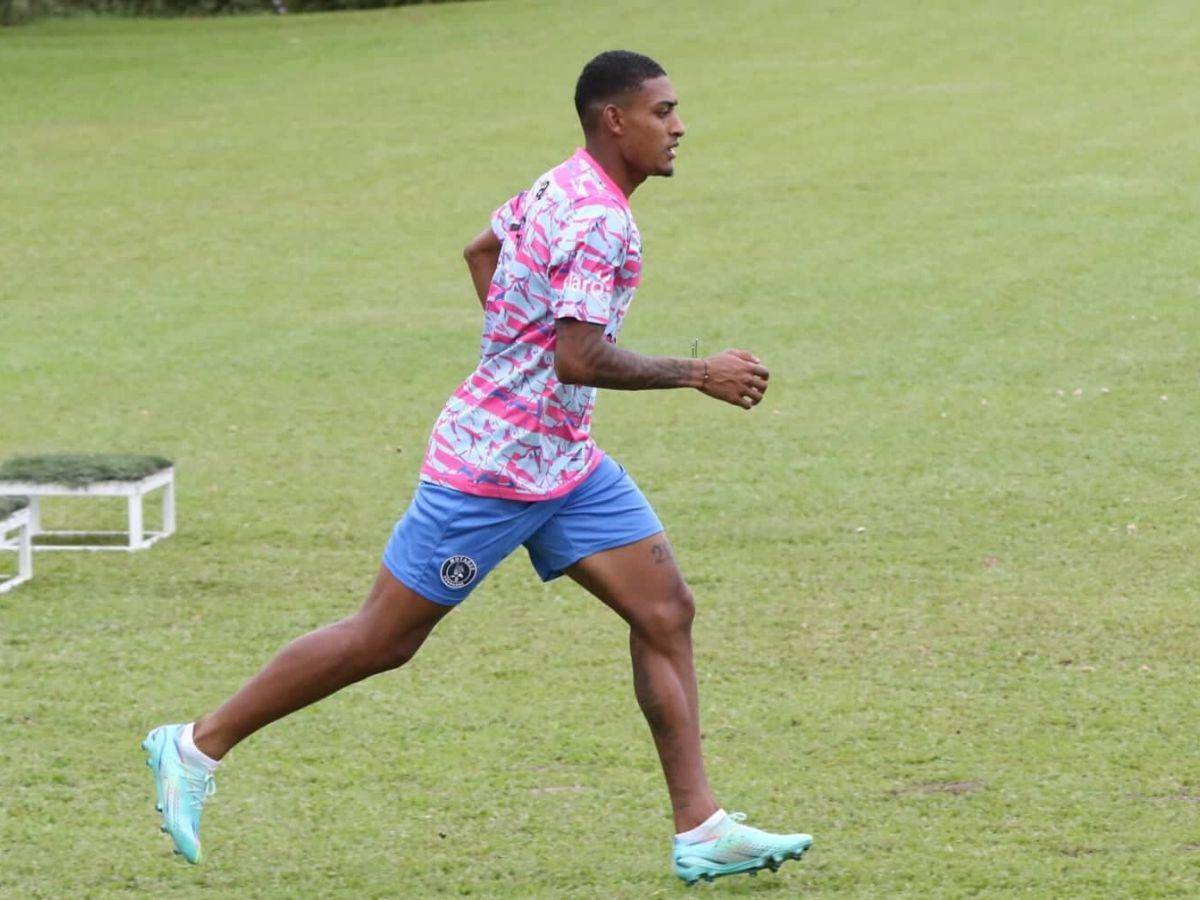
column 448, row 541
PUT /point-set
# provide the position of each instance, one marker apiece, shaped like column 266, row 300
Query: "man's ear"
column 612, row 117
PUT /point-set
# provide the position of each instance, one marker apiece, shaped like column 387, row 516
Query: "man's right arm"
column 583, row 356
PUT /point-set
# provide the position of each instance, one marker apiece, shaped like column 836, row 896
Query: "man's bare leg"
column 385, row 633
column 643, row 585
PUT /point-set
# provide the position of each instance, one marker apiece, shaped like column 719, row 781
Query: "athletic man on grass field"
column 510, row 463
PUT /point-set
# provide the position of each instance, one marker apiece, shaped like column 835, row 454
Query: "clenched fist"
column 736, row 377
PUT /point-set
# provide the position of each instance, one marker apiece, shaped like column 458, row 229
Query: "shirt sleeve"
column 508, row 215
column 584, row 266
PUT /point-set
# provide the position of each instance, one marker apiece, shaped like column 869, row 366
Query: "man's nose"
column 678, row 130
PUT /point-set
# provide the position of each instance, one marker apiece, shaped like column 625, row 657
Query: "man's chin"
column 666, row 171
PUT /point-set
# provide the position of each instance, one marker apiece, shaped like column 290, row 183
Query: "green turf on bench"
column 78, row 469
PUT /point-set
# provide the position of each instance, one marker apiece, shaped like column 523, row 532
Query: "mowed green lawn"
column 946, row 571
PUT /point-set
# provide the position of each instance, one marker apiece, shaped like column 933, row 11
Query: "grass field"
column 946, row 571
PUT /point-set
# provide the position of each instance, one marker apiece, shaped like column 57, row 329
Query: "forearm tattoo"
column 623, row 369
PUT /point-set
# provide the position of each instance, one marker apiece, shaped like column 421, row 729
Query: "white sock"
column 193, row 755
column 705, row 830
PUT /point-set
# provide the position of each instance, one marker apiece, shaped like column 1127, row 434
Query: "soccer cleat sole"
column 158, row 801
column 750, row 867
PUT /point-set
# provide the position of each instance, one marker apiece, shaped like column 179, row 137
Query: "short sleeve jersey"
column 569, row 249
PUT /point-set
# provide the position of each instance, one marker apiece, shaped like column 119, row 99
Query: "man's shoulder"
column 580, row 210
column 601, row 206
column 596, row 220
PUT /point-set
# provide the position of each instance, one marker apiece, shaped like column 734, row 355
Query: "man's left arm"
column 482, row 255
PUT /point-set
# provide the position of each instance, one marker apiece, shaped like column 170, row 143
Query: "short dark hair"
column 611, row 75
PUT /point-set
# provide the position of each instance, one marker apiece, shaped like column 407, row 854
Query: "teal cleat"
column 182, row 790
column 737, row 849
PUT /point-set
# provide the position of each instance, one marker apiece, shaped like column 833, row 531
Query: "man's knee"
column 670, row 614
column 394, row 655
column 378, row 649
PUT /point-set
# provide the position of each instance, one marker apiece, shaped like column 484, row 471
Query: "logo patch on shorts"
column 458, row 571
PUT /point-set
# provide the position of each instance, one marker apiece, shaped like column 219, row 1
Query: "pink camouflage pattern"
column 569, row 249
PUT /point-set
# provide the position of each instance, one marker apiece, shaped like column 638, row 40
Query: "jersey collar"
column 586, row 158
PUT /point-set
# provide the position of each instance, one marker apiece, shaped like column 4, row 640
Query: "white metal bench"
column 131, row 477
column 15, row 521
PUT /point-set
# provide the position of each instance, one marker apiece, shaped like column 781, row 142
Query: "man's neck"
column 614, row 167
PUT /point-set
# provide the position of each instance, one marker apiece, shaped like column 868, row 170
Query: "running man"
column 511, row 463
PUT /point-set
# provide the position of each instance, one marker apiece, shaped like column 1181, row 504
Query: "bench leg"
column 136, row 529
column 35, row 515
column 25, row 553
column 168, row 509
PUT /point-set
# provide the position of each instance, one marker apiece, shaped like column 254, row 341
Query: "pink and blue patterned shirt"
column 569, row 249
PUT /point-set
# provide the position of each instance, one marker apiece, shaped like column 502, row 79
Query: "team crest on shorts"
column 458, row 572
